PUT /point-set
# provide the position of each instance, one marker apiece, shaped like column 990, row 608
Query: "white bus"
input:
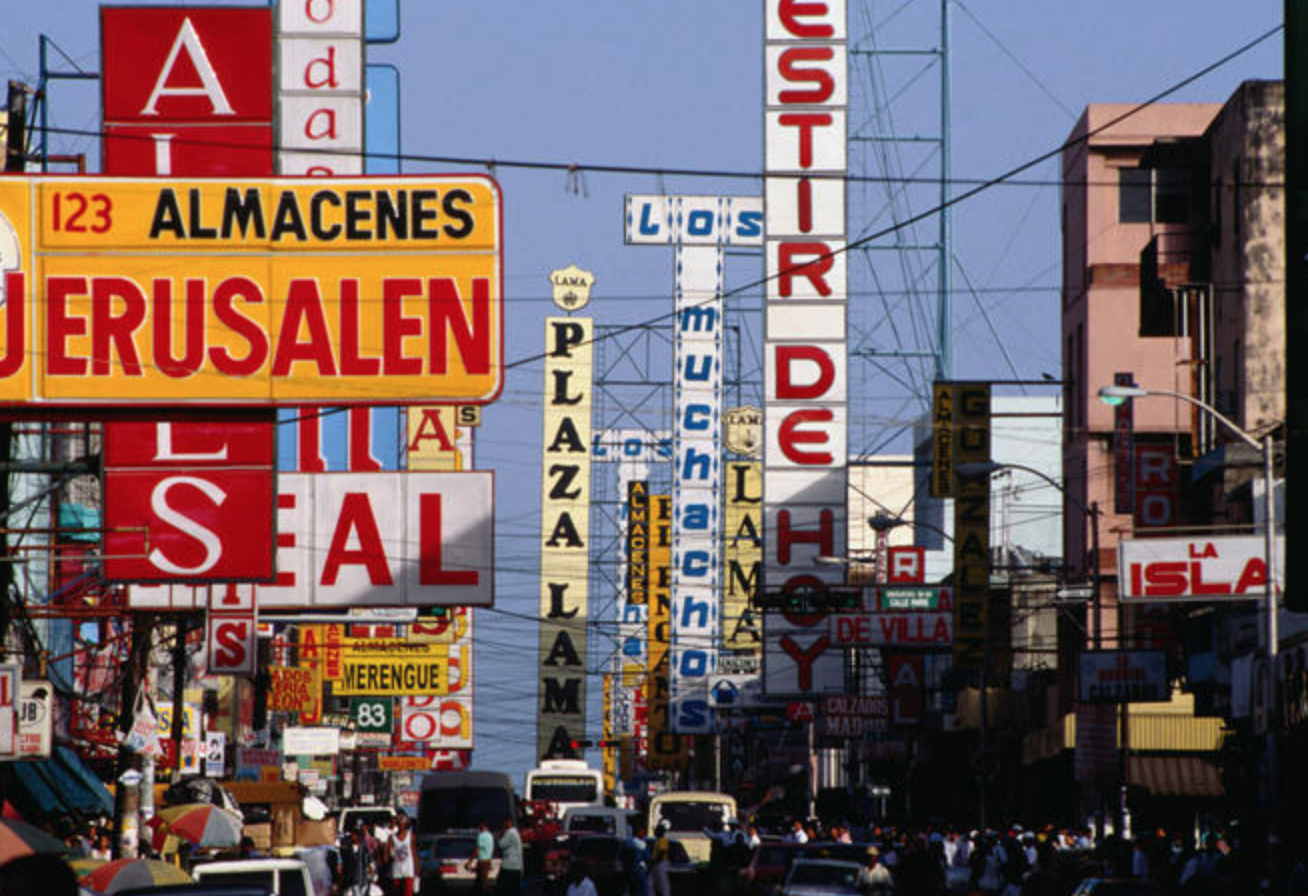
column 565, row 783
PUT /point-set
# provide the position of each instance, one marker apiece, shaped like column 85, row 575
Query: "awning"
column 1174, row 775
column 63, row 784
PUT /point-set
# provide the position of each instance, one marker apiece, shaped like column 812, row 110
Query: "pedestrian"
column 874, row 878
column 403, row 853
column 481, row 858
column 510, row 880
column 356, row 865
column 659, row 858
column 755, row 841
column 579, row 882
column 635, row 862
column 797, row 833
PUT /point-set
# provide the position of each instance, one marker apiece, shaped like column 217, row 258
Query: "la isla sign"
column 1196, row 569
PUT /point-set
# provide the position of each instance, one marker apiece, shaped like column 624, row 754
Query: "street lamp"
column 1115, row 395
column 1091, row 510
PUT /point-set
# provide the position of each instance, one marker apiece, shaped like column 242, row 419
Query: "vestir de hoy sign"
column 148, row 293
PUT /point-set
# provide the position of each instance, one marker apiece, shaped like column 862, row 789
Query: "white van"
column 597, row 820
column 285, row 877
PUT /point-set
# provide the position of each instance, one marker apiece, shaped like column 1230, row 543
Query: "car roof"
column 835, row 863
column 241, row 889
column 251, row 865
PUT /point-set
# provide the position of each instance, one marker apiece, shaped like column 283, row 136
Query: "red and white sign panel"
column 907, row 676
column 189, row 502
column 231, row 644
column 10, row 679
column 1196, row 569
column 320, row 87
column 905, row 629
column 1157, row 485
column 372, row 540
column 443, row 722
column 906, row 565
column 806, row 82
column 187, row 90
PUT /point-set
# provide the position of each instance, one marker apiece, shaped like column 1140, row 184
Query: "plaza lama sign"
column 137, row 293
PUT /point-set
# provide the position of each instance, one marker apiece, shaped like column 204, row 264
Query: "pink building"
column 1115, row 202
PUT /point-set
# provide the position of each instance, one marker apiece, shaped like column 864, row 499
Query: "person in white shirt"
column 797, row 834
column 755, row 841
column 579, row 883
column 509, row 881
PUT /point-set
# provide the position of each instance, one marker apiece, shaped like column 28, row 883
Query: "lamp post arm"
column 1216, row 414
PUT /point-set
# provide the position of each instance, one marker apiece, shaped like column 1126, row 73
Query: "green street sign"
column 910, row 598
column 372, row 714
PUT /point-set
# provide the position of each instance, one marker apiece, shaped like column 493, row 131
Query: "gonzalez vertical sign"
column 666, row 750
column 805, row 417
column 971, row 407
column 565, row 535
column 187, row 91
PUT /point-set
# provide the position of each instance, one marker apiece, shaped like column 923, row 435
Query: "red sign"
column 907, row 629
column 906, row 565
column 799, row 711
column 1156, row 480
column 189, row 504
column 187, row 90
column 906, row 675
column 232, row 643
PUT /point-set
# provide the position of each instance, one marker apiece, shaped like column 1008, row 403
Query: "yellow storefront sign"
column 293, row 689
column 149, row 292
column 377, row 676
column 403, row 764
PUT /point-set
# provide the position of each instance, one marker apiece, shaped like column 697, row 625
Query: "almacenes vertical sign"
column 565, row 535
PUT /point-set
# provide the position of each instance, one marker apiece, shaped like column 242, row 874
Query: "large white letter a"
column 190, row 41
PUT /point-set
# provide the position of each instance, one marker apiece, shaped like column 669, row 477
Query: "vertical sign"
column 10, row 680
column 743, row 557
column 696, row 484
column 971, row 524
column 666, row 750
column 1123, row 450
column 634, row 604
column 1155, row 485
column 698, row 227
column 320, row 87
column 565, row 535
column 942, row 440
column 805, row 386
column 187, row 92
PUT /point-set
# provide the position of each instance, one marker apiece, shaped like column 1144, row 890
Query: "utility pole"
column 178, row 732
column 125, row 797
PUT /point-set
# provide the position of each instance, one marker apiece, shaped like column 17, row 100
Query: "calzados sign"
column 268, row 292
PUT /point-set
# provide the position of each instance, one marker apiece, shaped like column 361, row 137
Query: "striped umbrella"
column 201, row 824
column 129, row 874
column 18, row 839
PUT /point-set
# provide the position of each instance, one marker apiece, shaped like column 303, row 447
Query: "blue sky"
column 677, row 84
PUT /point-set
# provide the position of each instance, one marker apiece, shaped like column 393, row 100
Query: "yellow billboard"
column 293, row 689
column 742, row 556
column 127, row 292
column 408, row 674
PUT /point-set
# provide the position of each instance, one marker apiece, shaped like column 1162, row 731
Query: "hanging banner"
column 163, row 293
column 805, row 455
column 565, row 536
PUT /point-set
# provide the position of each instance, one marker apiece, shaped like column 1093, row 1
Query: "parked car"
column 821, row 877
column 354, row 816
column 767, row 868
column 1116, row 886
column 198, row 890
column 597, row 820
column 284, row 877
column 444, row 860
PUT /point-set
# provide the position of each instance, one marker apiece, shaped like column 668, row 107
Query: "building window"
column 1153, row 195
